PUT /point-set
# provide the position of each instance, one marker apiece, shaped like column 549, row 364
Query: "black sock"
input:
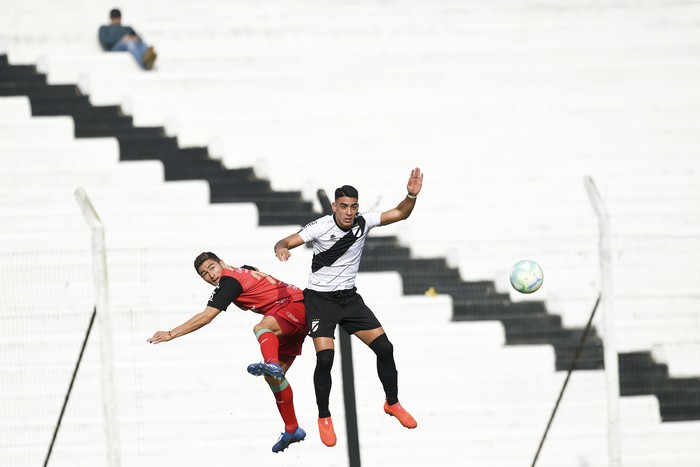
column 322, row 381
column 386, row 368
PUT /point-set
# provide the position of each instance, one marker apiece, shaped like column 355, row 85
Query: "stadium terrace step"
column 95, row 127
column 679, row 398
column 286, row 218
column 13, row 75
column 133, row 148
column 31, row 89
column 286, row 204
column 150, row 134
column 208, row 169
column 491, row 307
column 222, row 191
column 459, row 291
column 58, row 105
column 19, row 72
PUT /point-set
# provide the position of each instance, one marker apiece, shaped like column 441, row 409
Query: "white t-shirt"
column 337, row 252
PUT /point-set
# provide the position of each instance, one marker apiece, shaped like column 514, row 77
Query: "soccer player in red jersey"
column 280, row 333
column 331, row 297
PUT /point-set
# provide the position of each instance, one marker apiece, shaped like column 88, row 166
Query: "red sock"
column 269, row 345
column 285, row 404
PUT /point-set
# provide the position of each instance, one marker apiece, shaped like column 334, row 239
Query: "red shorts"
column 292, row 321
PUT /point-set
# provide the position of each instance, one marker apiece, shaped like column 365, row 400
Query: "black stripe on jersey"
column 331, row 255
column 225, row 293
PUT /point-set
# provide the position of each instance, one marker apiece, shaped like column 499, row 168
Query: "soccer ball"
column 526, row 276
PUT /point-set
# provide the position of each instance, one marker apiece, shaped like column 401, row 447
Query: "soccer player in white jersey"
column 332, row 299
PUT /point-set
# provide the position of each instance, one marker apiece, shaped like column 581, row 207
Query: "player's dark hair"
column 202, row 257
column 115, row 13
column 346, row 190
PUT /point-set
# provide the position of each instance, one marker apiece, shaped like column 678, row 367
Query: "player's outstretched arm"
column 192, row 324
column 283, row 246
column 405, row 207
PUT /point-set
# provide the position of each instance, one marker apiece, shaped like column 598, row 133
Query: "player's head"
column 115, row 16
column 345, row 206
column 209, row 267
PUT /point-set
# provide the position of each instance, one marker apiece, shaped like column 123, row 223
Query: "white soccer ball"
column 526, row 276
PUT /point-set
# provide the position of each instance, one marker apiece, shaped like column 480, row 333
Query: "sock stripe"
column 261, row 332
column 281, row 387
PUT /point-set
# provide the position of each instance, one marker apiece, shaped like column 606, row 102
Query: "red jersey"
column 253, row 290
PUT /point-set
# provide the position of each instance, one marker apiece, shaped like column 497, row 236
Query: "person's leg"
column 378, row 341
column 266, row 332
column 139, row 47
column 284, row 398
column 133, row 48
column 362, row 322
column 325, row 353
column 322, row 315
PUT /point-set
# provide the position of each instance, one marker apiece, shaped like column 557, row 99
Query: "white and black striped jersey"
column 337, row 252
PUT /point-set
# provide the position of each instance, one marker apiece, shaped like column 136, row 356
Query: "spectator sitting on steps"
column 117, row 38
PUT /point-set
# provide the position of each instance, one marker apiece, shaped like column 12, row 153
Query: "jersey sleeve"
column 225, row 293
column 311, row 230
column 372, row 219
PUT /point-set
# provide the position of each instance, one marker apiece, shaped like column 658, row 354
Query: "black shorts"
column 325, row 310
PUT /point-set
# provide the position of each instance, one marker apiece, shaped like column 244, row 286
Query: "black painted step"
column 94, row 127
column 134, row 148
column 209, row 169
column 19, row 75
column 20, row 71
column 679, row 398
column 286, row 218
column 58, row 105
column 38, row 90
column 79, row 108
column 486, row 307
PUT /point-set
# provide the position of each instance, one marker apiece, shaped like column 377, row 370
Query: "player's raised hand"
column 415, row 182
column 160, row 336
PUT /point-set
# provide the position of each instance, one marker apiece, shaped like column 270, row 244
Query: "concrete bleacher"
column 506, row 107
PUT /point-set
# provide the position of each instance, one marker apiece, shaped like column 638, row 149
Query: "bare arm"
column 283, row 246
column 192, row 324
column 405, row 207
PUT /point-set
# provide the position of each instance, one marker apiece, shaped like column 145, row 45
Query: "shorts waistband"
column 335, row 294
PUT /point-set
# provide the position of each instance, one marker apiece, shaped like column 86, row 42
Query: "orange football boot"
column 325, row 428
column 400, row 413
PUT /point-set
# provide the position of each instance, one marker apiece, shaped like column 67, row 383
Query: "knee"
column 324, row 359
column 266, row 324
column 382, row 346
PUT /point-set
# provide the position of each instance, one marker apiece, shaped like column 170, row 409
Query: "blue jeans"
column 136, row 48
